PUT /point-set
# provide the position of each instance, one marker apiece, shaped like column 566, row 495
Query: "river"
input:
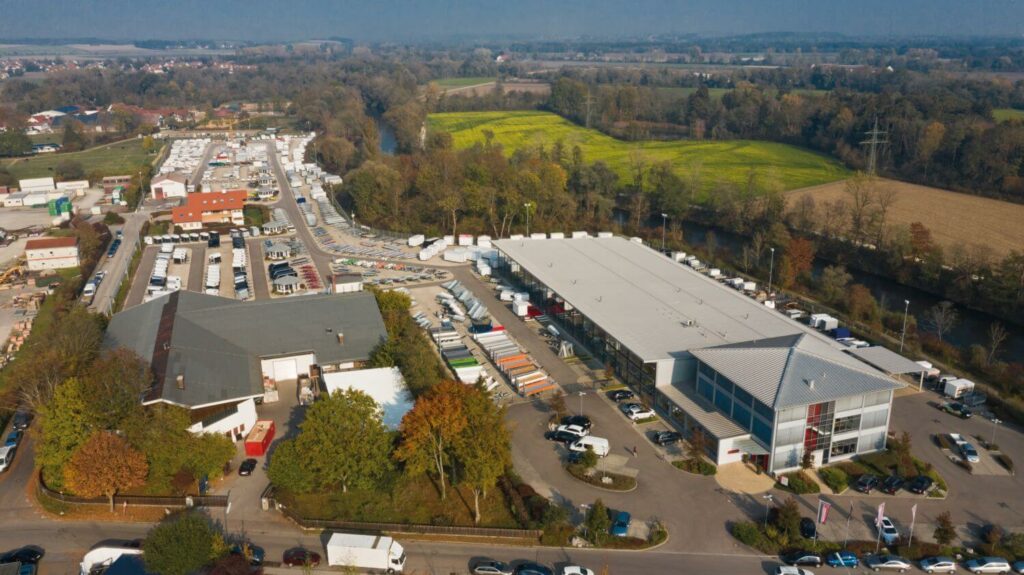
column 388, row 143
column 972, row 327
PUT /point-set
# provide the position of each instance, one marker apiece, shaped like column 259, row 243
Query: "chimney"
column 180, row 381
column 810, row 383
column 341, row 338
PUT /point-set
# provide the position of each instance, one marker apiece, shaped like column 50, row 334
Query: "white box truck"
column 372, row 553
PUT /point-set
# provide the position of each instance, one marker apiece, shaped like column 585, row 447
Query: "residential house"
column 210, row 208
column 51, row 253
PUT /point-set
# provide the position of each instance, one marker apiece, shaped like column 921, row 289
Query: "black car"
column 866, row 483
column 920, row 484
column 802, row 558
column 808, row 529
column 562, row 436
column 533, row 569
column 620, row 395
column 664, row 438
column 892, row 484
column 247, row 467
column 580, row 420
column 21, row 420
column 28, row 554
column 253, row 553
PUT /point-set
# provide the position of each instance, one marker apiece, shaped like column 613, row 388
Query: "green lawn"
column 462, row 82
column 727, row 161
column 108, row 160
column 1007, row 114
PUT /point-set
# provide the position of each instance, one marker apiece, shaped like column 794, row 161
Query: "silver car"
column 988, row 565
column 888, row 562
column 938, row 565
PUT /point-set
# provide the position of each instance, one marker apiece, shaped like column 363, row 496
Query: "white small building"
column 231, row 422
column 51, row 253
column 37, row 185
column 171, row 185
column 15, row 199
column 73, row 188
column 384, row 384
column 347, row 283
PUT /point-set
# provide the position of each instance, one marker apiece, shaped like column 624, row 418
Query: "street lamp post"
column 664, row 224
column 528, row 205
column 771, row 272
column 582, row 393
column 903, row 332
column 995, row 425
column 767, row 505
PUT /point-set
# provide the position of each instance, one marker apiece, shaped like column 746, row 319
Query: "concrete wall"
column 239, row 422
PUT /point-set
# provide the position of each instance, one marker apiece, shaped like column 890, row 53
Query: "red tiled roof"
column 197, row 204
column 49, row 243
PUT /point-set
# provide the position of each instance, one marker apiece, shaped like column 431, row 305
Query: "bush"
column 618, row 483
column 836, row 479
column 696, row 466
column 965, row 464
column 800, row 483
column 749, row 533
column 852, row 469
column 1005, row 461
column 111, row 218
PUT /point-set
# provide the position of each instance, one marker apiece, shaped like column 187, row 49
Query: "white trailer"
column 957, row 388
column 375, row 553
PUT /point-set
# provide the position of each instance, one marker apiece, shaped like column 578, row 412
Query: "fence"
column 144, row 500
column 453, row 530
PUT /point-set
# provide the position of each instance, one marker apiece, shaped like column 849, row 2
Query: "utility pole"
column 588, row 103
column 876, row 138
column 664, row 224
column 528, row 205
column 771, row 272
column 903, row 333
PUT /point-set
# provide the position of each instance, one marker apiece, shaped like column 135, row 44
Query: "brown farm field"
column 485, row 89
column 952, row 217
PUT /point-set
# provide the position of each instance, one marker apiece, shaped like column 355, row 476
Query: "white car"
column 576, row 570
column 787, row 570
column 576, row 430
column 988, row 565
column 636, row 411
column 938, row 565
column 642, row 414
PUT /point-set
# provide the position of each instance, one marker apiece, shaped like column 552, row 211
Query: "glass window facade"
column 762, row 431
column 844, row 447
column 764, row 411
column 874, row 418
column 846, row 424
column 741, row 414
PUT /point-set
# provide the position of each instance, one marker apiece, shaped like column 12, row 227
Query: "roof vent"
column 180, row 381
column 810, row 383
column 341, row 338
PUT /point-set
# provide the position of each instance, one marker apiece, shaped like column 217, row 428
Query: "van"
column 7, row 456
column 598, row 445
column 89, row 291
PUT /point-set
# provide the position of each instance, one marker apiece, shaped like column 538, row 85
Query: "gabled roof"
column 173, row 177
column 215, row 344
column 198, row 204
column 792, row 370
column 50, row 243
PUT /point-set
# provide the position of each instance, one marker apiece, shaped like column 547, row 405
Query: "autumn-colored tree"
column 861, row 303
column 104, row 465
column 483, row 449
column 65, row 422
column 920, row 240
column 945, row 532
column 431, row 428
column 800, row 252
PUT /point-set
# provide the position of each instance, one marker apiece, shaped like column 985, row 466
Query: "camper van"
column 598, row 445
column 7, row 456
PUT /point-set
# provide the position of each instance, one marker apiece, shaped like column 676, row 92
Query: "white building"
column 385, row 385
column 51, row 253
column 37, row 185
column 169, row 186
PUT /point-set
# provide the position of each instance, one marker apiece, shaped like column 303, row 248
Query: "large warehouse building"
column 759, row 385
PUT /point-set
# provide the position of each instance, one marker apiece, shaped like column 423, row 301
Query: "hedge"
column 698, row 466
column 1005, row 461
column 836, row 479
column 800, row 483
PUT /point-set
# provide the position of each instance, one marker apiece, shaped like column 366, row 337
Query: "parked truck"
column 371, row 553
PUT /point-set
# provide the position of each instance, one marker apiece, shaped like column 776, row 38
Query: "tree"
column 941, row 318
column 181, row 545
column 483, row 449
column 14, row 143
column 921, row 243
column 833, row 283
column 114, row 386
column 787, row 518
column 65, row 424
column 344, row 442
column 556, row 403
column 233, row 564
column 945, row 533
column 73, row 140
column 861, row 304
column 996, row 338
column 431, row 428
column 598, row 523
column 800, row 252
column 104, row 465
column 287, row 468
column 148, row 144
column 68, row 170
column 807, row 460
column 697, row 445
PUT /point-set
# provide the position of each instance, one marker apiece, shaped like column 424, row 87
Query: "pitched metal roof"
column 886, row 360
column 712, row 420
column 215, row 344
column 793, row 370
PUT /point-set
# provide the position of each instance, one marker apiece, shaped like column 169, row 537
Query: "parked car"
column 13, row 438
column 920, row 484
column 28, row 554
column 27, row 569
column 892, row 484
column 575, row 430
column 533, row 569
column 620, row 524
column 988, row 565
column 807, row 528
column 888, row 562
column 21, row 420
column 636, row 411
column 247, row 467
column 938, row 565
column 578, row 420
column 969, row 452
column 956, row 408
column 786, row 570
column 800, row 558
column 890, row 535
column 300, row 557
column 664, row 438
column 253, row 553
column 866, row 483
column 576, row 570
column 621, row 395
column 842, row 559
column 1019, row 567
column 492, row 567
column 562, row 436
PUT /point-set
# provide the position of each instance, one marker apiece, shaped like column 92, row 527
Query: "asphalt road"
column 117, row 267
column 258, row 270
column 197, row 267
column 140, row 281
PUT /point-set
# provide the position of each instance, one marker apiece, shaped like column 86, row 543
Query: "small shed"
column 278, row 251
column 347, row 283
column 287, row 284
column 259, row 439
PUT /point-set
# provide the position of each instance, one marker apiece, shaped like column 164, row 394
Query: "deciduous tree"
column 945, row 532
column 431, row 428
column 941, row 318
column 182, row 545
column 104, row 465
column 66, row 424
column 483, row 449
column 598, row 523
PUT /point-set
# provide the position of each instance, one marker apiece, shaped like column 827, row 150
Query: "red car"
column 299, row 557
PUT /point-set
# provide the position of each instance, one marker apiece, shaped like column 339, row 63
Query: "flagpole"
column 913, row 519
column 878, row 526
column 818, row 521
column 846, row 541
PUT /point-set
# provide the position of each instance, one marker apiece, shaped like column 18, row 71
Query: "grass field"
column 462, row 82
column 952, row 217
column 727, row 161
column 1007, row 114
column 108, row 160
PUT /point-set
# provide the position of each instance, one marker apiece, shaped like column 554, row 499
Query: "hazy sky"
column 400, row 20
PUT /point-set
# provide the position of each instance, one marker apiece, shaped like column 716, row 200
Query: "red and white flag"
column 823, row 509
column 881, row 513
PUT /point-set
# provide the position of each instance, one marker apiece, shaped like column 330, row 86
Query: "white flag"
column 881, row 513
column 913, row 513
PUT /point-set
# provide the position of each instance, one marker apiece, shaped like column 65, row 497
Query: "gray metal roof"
column 216, row 343
column 793, row 370
column 886, row 360
column 654, row 306
column 714, row 421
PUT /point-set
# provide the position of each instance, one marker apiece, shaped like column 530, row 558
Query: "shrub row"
column 800, row 483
